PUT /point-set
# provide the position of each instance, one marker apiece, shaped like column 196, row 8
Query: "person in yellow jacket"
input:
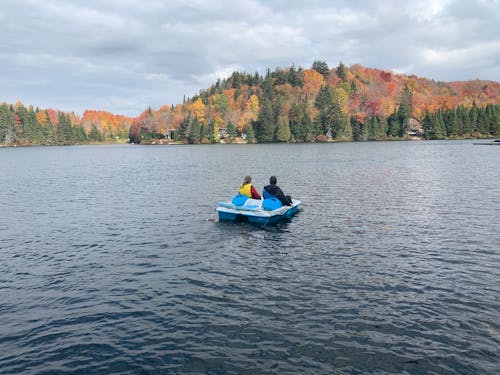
column 246, row 188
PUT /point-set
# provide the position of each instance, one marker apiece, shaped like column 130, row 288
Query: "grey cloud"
column 124, row 55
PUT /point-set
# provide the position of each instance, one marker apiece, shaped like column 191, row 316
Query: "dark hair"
column 273, row 180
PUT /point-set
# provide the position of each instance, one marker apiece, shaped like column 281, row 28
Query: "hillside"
column 316, row 104
column 284, row 105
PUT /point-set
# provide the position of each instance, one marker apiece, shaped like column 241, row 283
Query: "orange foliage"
column 312, row 83
column 42, row 118
column 366, row 92
column 198, row 110
column 106, row 121
column 53, row 116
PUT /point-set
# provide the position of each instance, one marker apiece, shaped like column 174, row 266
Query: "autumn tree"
column 313, row 81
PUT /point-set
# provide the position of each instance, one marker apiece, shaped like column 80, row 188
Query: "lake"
column 112, row 260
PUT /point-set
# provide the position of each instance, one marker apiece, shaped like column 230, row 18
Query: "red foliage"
column 386, row 76
column 373, row 108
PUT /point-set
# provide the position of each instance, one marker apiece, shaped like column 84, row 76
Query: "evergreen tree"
column 356, row 129
column 393, row 125
column 211, row 131
column 295, row 121
column 181, row 134
column 7, row 124
column 265, row 126
column 347, row 129
column 452, row 123
column 433, row 127
column 267, row 87
column 33, row 129
column 250, row 134
column 467, row 124
column 79, row 134
column 64, row 130
column 378, row 130
column 398, row 122
column 203, row 132
column 495, row 121
column 95, row 135
column 341, row 72
column 283, row 133
column 307, row 126
column 194, row 131
column 440, row 124
column 473, row 119
column 338, row 120
column 321, row 67
column 22, row 118
column 492, row 124
column 231, row 129
column 324, row 98
column 294, row 77
column 404, row 111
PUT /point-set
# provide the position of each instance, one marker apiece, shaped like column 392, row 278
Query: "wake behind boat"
column 265, row 211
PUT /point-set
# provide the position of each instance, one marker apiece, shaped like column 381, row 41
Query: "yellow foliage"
column 312, row 82
column 42, row 117
column 253, row 105
column 198, row 110
column 230, row 98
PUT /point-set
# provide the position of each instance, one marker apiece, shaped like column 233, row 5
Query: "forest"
column 318, row 104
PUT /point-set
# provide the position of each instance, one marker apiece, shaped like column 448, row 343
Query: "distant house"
column 415, row 129
column 223, row 133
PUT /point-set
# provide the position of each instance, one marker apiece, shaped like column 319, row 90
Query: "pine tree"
column 307, row 127
column 231, row 129
column 211, row 128
column 181, row 134
column 194, row 131
column 64, row 130
column 95, row 135
column 356, row 129
column 347, row 130
column 295, row 121
column 324, row 98
column 341, row 72
column 34, row 129
column 283, row 133
column 393, row 125
column 404, row 111
column 321, row 67
column 250, row 134
column 79, row 134
column 265, row 127
column 7, row 124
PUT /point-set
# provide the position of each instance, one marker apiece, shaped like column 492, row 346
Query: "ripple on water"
column 111, row 261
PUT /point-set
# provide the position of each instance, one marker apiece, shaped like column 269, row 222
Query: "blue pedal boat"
column 265, row 211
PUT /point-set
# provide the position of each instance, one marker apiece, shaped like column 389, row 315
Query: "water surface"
column 112, row 260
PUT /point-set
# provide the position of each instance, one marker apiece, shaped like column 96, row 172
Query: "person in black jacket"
column 273, row 191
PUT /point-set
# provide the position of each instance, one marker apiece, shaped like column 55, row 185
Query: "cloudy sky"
column 125, row 55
